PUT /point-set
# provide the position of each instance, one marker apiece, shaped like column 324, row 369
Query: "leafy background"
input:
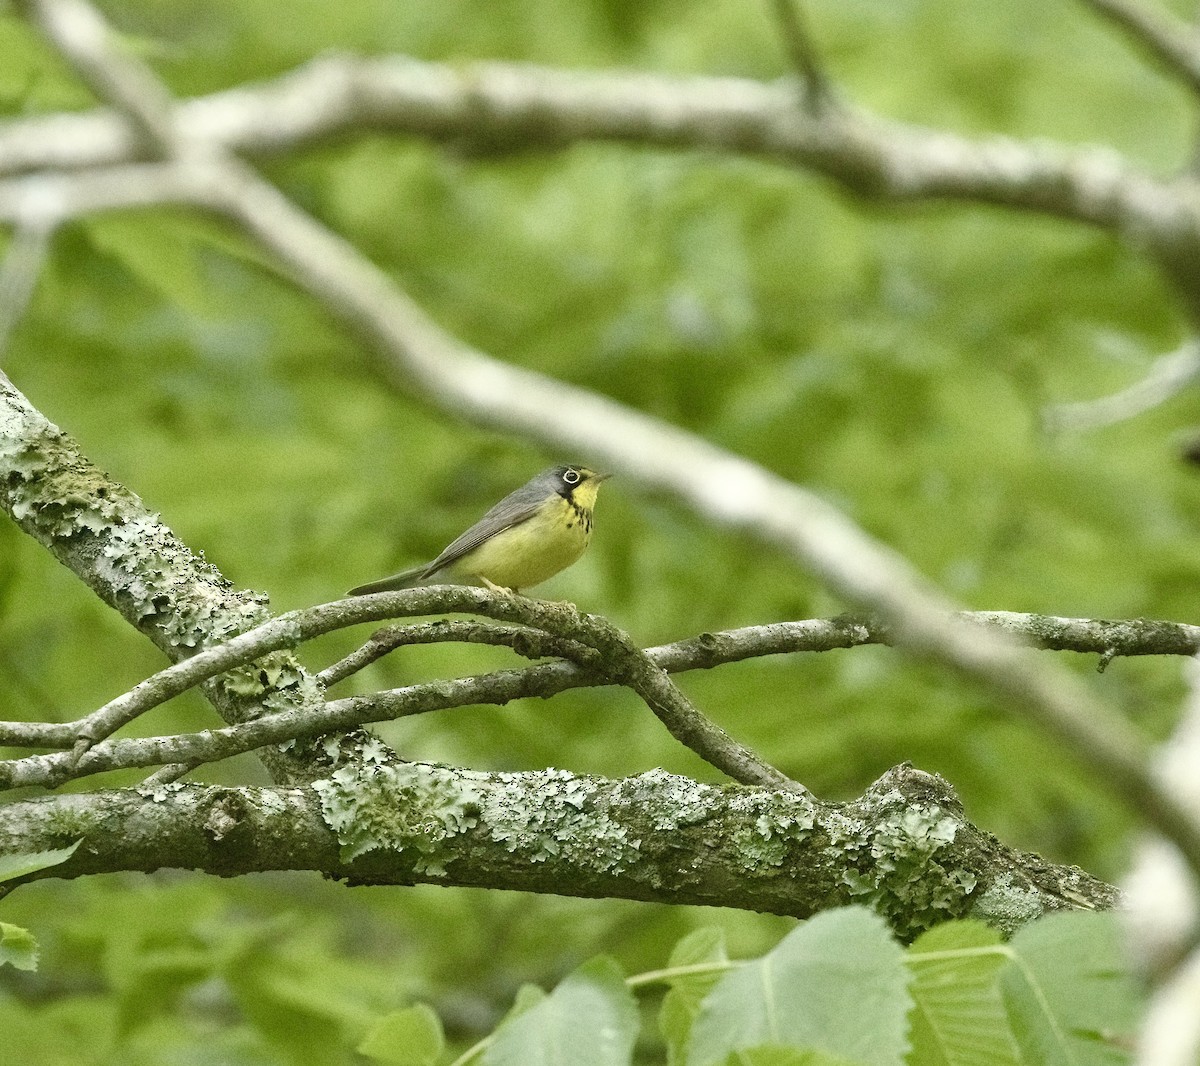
column 896, row 359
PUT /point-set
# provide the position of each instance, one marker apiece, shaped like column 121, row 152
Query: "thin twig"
column 1168, row 376
column 619, row 659
column 19, row 273
column 802, row 51
column 1107, row 637
column 526, row 642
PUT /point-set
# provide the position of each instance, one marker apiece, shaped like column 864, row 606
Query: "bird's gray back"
column 517, row 507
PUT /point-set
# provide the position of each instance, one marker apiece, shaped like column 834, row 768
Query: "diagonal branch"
column 802, row 50
column 103, row 533
column 1160, row 32
column 87, row 42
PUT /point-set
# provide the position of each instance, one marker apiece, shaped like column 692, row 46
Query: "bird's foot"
column 491, row 586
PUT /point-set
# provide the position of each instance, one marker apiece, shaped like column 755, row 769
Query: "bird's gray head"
column 566, row 479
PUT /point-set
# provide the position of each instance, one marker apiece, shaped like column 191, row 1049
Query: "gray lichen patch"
column 566, row 819
column 1008, row 904
column 769, row 825
column 403, row 807
column 668, row 801
column 901, row 863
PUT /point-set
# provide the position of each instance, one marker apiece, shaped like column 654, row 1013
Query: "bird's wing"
column 515, row 508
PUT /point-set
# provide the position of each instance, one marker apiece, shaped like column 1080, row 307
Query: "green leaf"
column 778, row 1055
column 682, row 1002
column 23, row 863
column 1070, row 1000
column 17, row 947
column 161, row 258
column 590, row 1019
column 958, row 1017
column 409, row 1037
column 527, row 997
column 835, row 984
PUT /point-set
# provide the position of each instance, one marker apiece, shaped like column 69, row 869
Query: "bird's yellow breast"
column 537, row 549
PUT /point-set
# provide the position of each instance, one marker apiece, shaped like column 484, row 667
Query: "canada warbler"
column 529, row 536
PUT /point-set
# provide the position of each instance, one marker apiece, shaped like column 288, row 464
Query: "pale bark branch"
column 520, row 107
column 1160, row 32
column 19, row 273
column 1169, row 375
column 84, row 39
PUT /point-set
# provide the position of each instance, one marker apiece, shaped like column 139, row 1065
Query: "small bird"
column 528, row 537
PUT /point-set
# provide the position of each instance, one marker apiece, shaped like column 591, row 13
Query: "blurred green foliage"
column 896, row 360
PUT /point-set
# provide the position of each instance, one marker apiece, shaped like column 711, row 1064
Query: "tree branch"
column 103, row 533
column 1169, row 375
column 1107, row 638
column 1160, row 33
column 84, row 39
column 802, row 51
column 609, row 654
column 728, row 490
column 19, row 272
column 904, row 847
column 520, row 107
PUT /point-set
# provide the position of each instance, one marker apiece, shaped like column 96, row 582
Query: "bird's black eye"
column 571, row 477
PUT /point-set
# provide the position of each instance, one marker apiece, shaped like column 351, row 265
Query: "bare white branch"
column 85, row 40
column 19, row 272
column 1170, row 1034
column 1160, row 32
column 518, row 107
column 1168, row 376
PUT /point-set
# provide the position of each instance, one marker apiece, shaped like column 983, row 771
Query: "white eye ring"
column 571, row 477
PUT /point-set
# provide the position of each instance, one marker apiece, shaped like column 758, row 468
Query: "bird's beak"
column 601, row 477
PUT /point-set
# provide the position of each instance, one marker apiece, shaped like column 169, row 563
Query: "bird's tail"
column 406, row 579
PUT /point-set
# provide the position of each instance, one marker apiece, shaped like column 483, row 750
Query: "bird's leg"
column 493, row 587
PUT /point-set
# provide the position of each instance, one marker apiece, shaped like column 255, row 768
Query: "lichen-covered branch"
column 541, row 630
column 103, row 533
column 607, row 654
column 858, row 150
column 904, row 848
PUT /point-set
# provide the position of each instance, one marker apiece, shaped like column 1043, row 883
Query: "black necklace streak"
column 582, row 513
